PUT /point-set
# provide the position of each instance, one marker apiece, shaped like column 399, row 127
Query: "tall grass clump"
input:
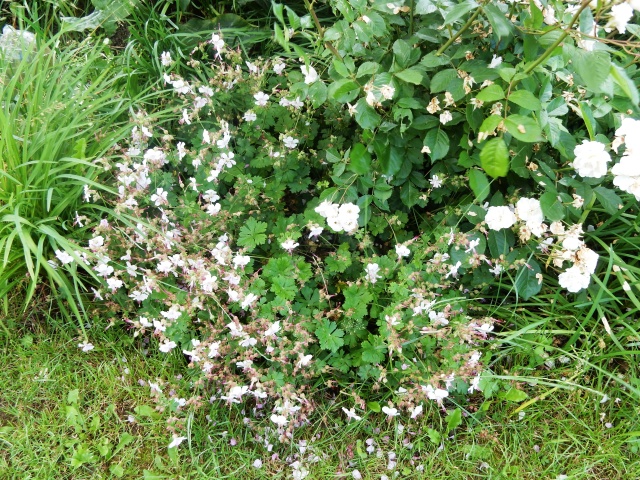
column 60, row 110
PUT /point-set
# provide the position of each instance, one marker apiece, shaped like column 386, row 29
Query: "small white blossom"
column 261, row 99
column 289, row 245
column 310, row 74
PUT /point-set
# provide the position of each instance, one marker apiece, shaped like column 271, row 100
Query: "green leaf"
column 490, row 124
column 116, row 470
column 374, row 407
column 527, row 283
column 458, row 11
column 593, row 67
column 330, row 335
column 515, row 395
column 344, row 90
column 479, row 184
column 525, row 129
column 441, row 80
column 402, row 53
column 501, row 26
column 438, row 142
column 424, row 7
column 366, row 116
column 341, row 68
column 434, row 436
column 491, row 93
column 360, row 159
column 356, row 300
column 410, row 75
column 454, row 419
column 72, row 396
column 627, row 85
column 391, row 160
column 609, row 200
column 367, row 68
column 589, row 121
column 373, row 350
column 551, row 207
column 494, row 158
column 525, row 99
column 252, row 234
column 284, row 287
column 318, row 93
column 81, row 456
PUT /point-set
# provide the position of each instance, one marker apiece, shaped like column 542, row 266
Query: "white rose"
column 591, row 159
column 498, row 218
column 573, row 279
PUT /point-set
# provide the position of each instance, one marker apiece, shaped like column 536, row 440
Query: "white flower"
column 310, row 74
column 574, row 279
column 435, row 181
column 445, row 117
column 257, row 463
column 591, row 159
column 372, row 270
column 289, row 245
column 248, row 300
column 495, row 62
column 387, row 92
column 217, row 42
column 273, row 329
column 315, row 230
column 167, row 346
column 529, row 211
column 587, row 260
column 390, row 411
column 416, row 411
column 96, row 242
column 86, row 346
column 498, row 218
column 249, row 116
column 620, row 16
column 290, row 142
column 176, row 441
column 303, row 360
column 627, row 174
column 160, row 197
column 64, row 257
column 351, row 414
column 278, row 68
column 436, row 394
column 261, row 99
column 279, row 420
column 235, row 394
column 402, row 250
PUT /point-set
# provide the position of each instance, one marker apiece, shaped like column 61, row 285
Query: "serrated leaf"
column 593, row 67
column 373, row 350
column 458, row 11
column 391, row 159
column 609, row 200
column 491, row 93
column 329, row 335
column 318, row 93
column 366, row 116
column 252, row 234
column 424, row 7
column 479, row 184
column 367, row 68
column 490, row 124
column 360, row 159
column 340, row 67
column 441, row 80
column 551, row 207
column 525, row 99
column 410, row 75
column 501, row 26
column 494, row 158
column 627, row 85
column 344, row 90
column 402, row 53
column 438, row 142
column 524, row 128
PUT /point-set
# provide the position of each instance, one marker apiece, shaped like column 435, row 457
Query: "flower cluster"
column 340, row 217
column 626, row 173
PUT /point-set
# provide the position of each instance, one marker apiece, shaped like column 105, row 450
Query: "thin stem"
column 565, row 33
column 411, row 17
column 333, row 50
column 460, row 32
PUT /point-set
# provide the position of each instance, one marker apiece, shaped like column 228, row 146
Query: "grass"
column 65, row 414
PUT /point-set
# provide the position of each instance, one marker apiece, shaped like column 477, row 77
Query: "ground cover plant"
column 421, row 208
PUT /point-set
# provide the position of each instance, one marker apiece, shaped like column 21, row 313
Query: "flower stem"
column 333, row 50
column 460, row 32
